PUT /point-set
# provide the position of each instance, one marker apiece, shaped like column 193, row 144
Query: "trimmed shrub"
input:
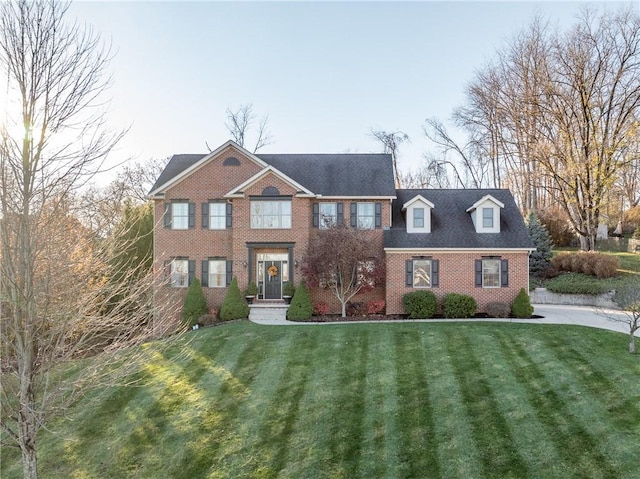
column 300, row 308
column 234, row 305
column 521, row 307
column 497, row 309
column 252, row 289
column 456, row 305
column 195, row 304
column 420, row 304
column 376, row 306
column 576, row 283
column 288, row 289
column 587, row 262
column 320, row 308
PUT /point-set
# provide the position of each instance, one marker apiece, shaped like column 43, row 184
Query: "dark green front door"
column 273, row 280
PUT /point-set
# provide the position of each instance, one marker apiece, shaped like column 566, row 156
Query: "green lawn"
column 396, row 400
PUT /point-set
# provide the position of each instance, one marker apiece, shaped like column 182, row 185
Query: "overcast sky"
column 324, row 72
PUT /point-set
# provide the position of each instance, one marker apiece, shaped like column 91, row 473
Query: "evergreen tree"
column 234, row 305
column 195, row 304
column 301, row 307
column 540, row 259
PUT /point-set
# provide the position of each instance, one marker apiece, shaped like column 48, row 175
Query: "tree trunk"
column 29, row 463
column 344, row 309
column 632, row 344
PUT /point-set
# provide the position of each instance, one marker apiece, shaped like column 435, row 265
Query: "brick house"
column 233, row 213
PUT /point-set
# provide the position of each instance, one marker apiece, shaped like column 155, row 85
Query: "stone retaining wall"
column 544, row 296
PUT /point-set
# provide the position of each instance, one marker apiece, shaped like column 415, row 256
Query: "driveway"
column 601, row 318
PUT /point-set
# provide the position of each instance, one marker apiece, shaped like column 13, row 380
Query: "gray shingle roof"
column 348, row 174
column 451, row 225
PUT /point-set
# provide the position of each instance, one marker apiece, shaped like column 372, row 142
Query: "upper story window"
column 418, row 217
column 418, row 214
column 487, row 217
column 366, row 216
column 179, row 215
column 271, row 214
column 328, row 215
column 217, row 216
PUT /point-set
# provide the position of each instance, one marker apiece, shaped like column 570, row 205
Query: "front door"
column 272, row 280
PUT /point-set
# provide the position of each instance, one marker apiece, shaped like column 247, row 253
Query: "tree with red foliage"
column 344, row 260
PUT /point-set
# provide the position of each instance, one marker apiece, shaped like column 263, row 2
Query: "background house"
column 233, row 213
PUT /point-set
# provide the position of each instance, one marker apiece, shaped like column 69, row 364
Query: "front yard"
column 363, row 401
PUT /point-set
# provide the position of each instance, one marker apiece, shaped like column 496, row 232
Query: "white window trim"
column 174, row 216
column 430, row 274
column 223, row 275
column 323, row 225
column 175, row 271
column 360, row 216
column 498, row 261
column 279, row 215
column 217, row 204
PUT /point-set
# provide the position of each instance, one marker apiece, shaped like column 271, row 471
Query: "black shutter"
column 435, row 272
column 339, row 214
column 316, row 215
column 409, row 272
column 378, row 215
column 167, row 215
column 205, row 273
column 229, row 271
column 205, row 215
column 229, row 215
column 192, row 215
column 504, row 272
column 478, row 273
column 354, row 215
column 192, row 270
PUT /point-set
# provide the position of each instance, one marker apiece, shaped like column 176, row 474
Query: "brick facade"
column 240, row 244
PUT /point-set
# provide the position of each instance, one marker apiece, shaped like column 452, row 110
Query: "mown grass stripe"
column 528, row 433
column 217, row 418
column 490, row 429
column 623, row 409
column 457, row 453
column 346, row 444
column 573, row 443
column 379, row 456
column 417, row 451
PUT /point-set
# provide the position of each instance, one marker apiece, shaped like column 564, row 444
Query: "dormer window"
column 418, row 214
column 487, row 217
column 485, row 214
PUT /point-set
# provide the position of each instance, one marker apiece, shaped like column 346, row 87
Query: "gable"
column 236, row 163
column 418, row 214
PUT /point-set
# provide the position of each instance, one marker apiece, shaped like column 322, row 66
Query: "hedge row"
column 590, row 263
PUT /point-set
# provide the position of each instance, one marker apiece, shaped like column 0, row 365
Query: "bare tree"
column 56, row 302
column 628, row 298
column 343, row 260
column 391, row 141
column 239, row 123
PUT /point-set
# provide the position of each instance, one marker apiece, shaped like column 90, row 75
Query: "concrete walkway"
column 551, row 314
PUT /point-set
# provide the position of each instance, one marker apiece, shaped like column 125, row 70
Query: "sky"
column 325, row 73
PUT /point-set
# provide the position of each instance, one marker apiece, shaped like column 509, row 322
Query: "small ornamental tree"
column 195, row 304
column 345, row 261
column 301, row 307
column 540, row 259
column 234, row 305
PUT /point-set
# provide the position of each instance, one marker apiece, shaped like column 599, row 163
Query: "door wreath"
column 272, row 270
